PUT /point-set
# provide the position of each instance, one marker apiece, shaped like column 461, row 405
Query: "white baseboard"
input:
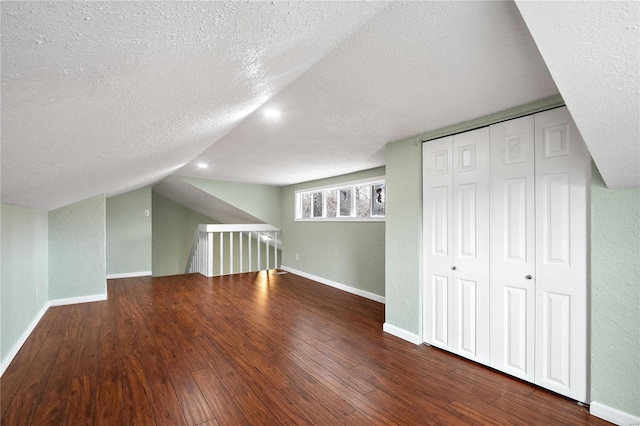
column 129, row 275
column 352, row 290
column 401, row 333
column 23, row 338
column 80, row 299
column 612, row 415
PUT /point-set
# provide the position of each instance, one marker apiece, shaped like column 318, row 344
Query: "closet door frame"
column 561, row 277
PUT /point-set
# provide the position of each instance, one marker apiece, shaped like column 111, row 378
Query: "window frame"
column 351, row 186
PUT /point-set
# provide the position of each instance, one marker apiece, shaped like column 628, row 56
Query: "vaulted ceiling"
column 106, row 97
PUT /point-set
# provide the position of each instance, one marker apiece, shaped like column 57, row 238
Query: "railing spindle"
column 221, row 253
column 275, row 250
column 241, row 251
column 266, row 241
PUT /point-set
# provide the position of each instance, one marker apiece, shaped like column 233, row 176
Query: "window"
column 353, row 201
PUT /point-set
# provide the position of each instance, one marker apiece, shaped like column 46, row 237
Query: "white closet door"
column 438, row 241
column 471, row 244
column 513, row 247
column 456, row 244
column 562, row 183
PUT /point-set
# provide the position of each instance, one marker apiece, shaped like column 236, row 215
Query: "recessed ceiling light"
column 271, row 113
column 202, row 165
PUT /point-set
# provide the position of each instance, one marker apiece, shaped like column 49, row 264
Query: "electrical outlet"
column 297, row 256
column 146, row 213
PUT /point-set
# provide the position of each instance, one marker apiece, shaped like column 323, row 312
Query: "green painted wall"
column 261, row 201
column 615, row 296
column 404, row 235
column 77, row 252
column 24, row 275
column 173, row 227
column 349, row 253
column 129, row 232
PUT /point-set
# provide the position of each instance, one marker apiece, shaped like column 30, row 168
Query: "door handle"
column 453, row 268
column 527, row 277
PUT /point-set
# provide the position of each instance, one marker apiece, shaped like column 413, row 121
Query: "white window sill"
column 341, row 219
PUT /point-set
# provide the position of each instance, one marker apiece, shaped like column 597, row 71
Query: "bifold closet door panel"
column 471, row 244
column 563, row 178
column 438, row 242
column 456, row 244
column 513, row 247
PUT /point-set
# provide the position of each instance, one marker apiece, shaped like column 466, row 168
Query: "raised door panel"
column 563, row 177
column 440, row 308
column 512, row 249
column 437, row 246
column 471, row 244
column 467, row 318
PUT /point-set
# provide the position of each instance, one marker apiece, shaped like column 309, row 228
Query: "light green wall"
column 173, row 228
column 77, row 253
column 404, row 235
column 129, row 232
column 615, row 296
column 261, row 201
column 24, row 276
column 349, row 253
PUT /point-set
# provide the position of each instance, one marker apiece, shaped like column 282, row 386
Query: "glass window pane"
column 345, row 202
column 363, row 201
column 332, row 202
column 305, row 200
column 378, row 200
column 317, row 204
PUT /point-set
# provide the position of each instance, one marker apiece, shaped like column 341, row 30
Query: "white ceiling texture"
column 106, row 97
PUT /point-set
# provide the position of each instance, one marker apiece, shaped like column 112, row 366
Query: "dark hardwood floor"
column 254, row 349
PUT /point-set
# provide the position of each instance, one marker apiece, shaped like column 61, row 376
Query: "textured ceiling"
column 105, row 97
column 406, row 71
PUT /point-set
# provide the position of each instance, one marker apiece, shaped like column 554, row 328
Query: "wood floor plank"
column 81, row 400
column 412, row 410
column 136, row 392
column 314, row 411
column 109, row 394
column 53, row 402
column 194, row 405
column 25, row 402
column 482, row 413
column 163, row 398
column 14, row 374
column 224, row 408
column 252, row 348
column 254, row 410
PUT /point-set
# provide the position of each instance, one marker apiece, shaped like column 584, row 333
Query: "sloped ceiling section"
column 408, row 70
column 176, row 189
column 105, row 97
column 592, row 50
